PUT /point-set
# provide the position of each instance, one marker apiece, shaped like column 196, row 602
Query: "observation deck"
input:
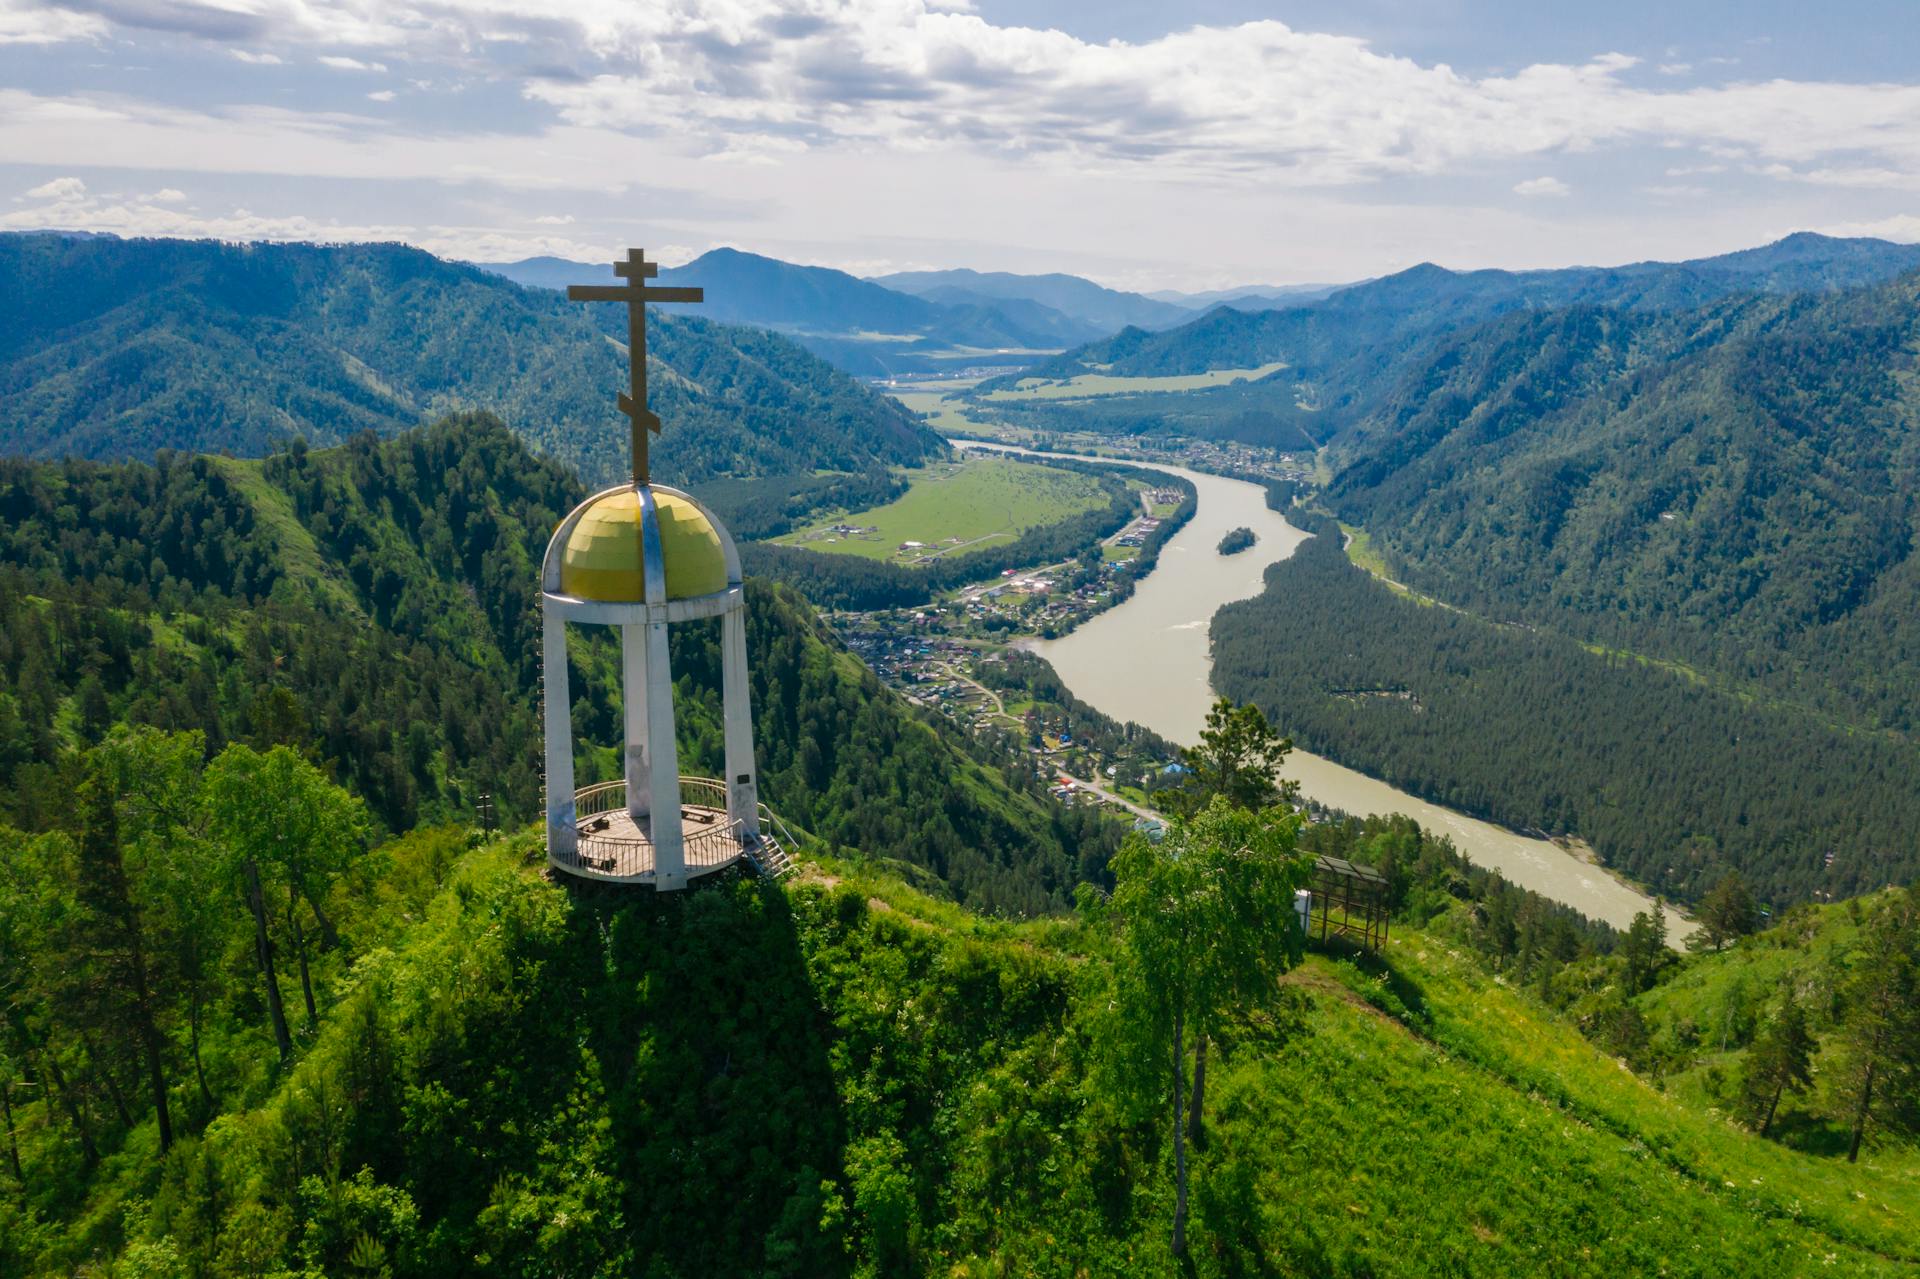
column 613, row 848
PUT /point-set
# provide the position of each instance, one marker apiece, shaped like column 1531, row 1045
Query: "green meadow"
column 956, row 507
column 928, row 399
column 1088, row 385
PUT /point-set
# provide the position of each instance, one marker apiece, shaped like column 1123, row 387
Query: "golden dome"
column 602, row 559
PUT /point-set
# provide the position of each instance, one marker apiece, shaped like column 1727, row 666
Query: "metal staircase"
column 772, row 854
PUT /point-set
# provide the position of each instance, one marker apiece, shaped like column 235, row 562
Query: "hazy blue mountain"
column 1106, row 310
column 1247, row 296
column 121, row 348
column 858, row 326
column 550, row 272
column 748, row 288
column 1030, row 317
column 1349, row 349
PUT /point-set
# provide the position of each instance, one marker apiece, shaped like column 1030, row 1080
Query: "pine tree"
column 1781, row 1059
column 1882, row 1027
column 114, row 952
column 1238, row 758
column 1728, row 913
column 1645, row 949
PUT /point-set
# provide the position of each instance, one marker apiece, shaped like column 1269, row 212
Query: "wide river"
column 1150, row 660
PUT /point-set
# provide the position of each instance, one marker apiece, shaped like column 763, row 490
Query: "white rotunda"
column 642, row 557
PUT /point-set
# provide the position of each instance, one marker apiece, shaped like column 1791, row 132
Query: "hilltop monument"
column 642, row 556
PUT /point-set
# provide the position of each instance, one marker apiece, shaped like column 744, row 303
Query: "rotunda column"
column 743, row 787
column 563, row 837
column 633, row 696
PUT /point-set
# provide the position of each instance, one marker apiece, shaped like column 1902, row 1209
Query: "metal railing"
column 709, row 837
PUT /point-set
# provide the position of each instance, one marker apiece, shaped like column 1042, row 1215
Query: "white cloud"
column 257, row 59
column 381, row 95
column 1535, row 187
column 167, row 195
column 59, row 189
column 1675, row 68
column 113, row 132
column 1257, row 101
column 819, row 126
column 140, row 218
column 554, row 219
column 1904, row 227
column 1845, row 176
column 24, row 22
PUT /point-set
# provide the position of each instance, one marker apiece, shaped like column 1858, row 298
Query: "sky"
column 1147, row 145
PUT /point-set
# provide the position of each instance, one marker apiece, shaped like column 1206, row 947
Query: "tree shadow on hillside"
column 714, row 1053
column 1810, row 1134
column 1393, row 991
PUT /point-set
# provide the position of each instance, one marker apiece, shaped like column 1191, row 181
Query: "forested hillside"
column 1347, row 352
column 1735, row 488
column 116, row 348
column 374, row 606
column 843, row 1077
column 1672, row 780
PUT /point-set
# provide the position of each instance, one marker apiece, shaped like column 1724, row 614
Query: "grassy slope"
column 1703, row 1019
column 294, row 546
column 1736, row 1189
column 1417, row 1119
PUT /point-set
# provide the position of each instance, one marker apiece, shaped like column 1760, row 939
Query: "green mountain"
column 1348, row 352
column 1733, row 488
column 375, row 605
column 1677, row 555
column 1105, row 309
column 121, row 348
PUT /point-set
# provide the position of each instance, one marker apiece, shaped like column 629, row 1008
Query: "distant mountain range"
column 915, row 321
column 120, row 348
column 1347, row 351
column 1105, row 309
column 861, row 327
column 1248, row 297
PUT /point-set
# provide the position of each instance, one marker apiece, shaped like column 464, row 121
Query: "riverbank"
column 1148, row 661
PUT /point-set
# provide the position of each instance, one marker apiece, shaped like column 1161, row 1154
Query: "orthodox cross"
column 636, row 294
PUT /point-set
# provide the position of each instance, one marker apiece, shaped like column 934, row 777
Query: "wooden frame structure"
column 1349, row 900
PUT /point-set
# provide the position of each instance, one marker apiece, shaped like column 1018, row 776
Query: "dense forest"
column 1670, row 779
column 120, row 348
column 373, row 606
